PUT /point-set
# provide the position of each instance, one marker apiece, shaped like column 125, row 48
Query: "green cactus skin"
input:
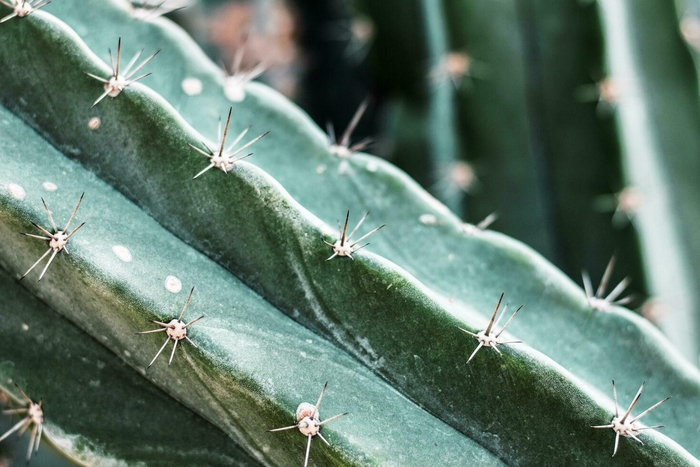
column 659, row 122
column 412, row 356
column 253, row 366
column 395, row 199
column 98, row 409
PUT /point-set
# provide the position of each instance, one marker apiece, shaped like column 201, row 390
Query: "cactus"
column 388, row 318
column 240, row 385
column 555, row 78
column 38, row 341
column 527, row 69
column 663, row 166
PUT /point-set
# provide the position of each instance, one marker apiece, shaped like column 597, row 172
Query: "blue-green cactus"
column 382, row 328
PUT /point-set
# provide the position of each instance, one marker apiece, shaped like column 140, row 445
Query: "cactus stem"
column 35, row 415
column 629, row 428
column 309, row 423
column 57, row 240
column 345, row 246
column 485, row 338
column 176, row 330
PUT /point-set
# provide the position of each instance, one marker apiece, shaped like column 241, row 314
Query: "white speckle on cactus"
column 48, row 186
column 173, row 284
column 451, row 257
column 122, row 253
column 94, row 123
column 428, row 219
column 372, row 166
column 25, row 327
column 192, row 86
column 321, row 169
column 16, row 191
column 309, row 422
